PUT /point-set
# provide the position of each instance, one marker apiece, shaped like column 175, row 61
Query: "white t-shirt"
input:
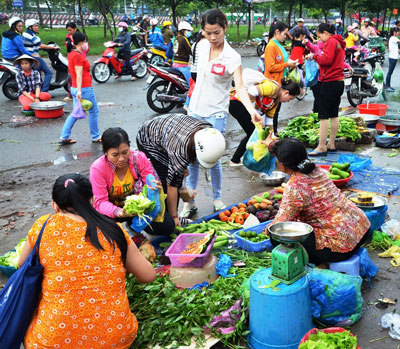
column 393, row 47
column 214, row 78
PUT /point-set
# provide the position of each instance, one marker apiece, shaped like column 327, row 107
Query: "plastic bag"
column 169, row 53
column 392, row 229
column 161, row 214
column 368, row 268
column 138, row 224
column 223, row 265
column 339, row 299
column 225, row 322
column 261, row 65
column 376, row 217
column 294, row 75
column 252, row 77
column 388, row 141
column 312, row 73
column 392, row 321
column 356, row 163
column 78, row 112
column 257, row 157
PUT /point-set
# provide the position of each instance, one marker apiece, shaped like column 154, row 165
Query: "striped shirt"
column 31, row 42
column 166, row 138
column 29, row 82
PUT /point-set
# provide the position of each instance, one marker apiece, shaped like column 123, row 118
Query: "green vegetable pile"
column 252, row 236
column 339, row 171
column 168, row 315
column 10, row 259
column 139, row 204
column 306, row 129
column 337, row 340
column 381, row 241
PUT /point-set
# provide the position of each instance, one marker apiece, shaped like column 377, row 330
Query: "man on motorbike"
column 143, row 26
column 124, row 52
column 367, row 29
column 32, row 44
column 11, row 43
column 167, row 32
column 156, row 36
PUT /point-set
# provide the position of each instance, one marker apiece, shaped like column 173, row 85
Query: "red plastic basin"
column 325, row 330
column 49, row 114
column 338, row 182
column 373, row 108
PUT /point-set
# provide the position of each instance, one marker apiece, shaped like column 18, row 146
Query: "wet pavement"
column 32, row 160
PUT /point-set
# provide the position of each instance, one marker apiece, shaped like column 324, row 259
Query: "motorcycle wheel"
column 157, row 88
column 156, row 60
column 9, row 91
column 260, row 49
column 354, row 101
column 141, row 70
column 301, row 96
column 101, row 72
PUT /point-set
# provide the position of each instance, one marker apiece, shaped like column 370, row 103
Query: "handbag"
column 19, row 297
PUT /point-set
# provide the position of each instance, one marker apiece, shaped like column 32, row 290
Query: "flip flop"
column 67, row 141
column 318, row 153
column 332, row 150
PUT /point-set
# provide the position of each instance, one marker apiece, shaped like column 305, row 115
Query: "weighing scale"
column 290, row 257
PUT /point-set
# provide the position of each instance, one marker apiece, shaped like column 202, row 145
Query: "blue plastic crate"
column 253, row 246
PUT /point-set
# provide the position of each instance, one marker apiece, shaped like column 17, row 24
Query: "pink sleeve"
column 311, row 47
column 347, row 66
column 328, row 55
column 144, row 166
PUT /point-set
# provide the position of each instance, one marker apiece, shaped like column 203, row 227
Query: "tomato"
column 227, row 213
column 246, row 215
column 242, row 209
column 220, row 215
column 239, row 219
column 230, row 219
column 234, row 209
column 242, row 205
column 224, row 219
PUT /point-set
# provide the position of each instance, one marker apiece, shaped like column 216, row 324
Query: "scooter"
column 137, row 37
column 110, row 64
column 262, row 44
column 167, row 88
column 58, row 62
column 156, row 56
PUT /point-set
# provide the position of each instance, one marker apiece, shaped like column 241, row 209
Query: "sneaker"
column 235, row 164
column 218, row 205
column 389, row 89
column 188, row 210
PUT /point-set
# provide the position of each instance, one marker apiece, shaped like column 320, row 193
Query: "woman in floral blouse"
column 311, row 197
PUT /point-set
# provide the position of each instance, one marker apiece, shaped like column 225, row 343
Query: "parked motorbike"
column 92, row 21
column 365, row 80
column 58, row 62
column 262, row 44
column 109, row 64
column 156, row 56
column 137, row 37
column 167, row 88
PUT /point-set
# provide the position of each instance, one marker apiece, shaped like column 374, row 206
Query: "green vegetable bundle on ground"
column 336, row 340
column 10, row 259
column 339, row 171
column 139, row 205
column 381, row 241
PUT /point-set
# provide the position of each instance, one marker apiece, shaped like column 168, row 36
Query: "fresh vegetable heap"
column 263, row 208
column 339, row 171
column 139, row 205
column 10, row 259
column 237, row 214
column 381, row 241
column 252, row 236
column 167, row 314
column 306, row 129
column 337, row 340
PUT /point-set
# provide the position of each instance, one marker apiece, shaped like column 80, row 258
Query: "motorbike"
column 110, row 64
column 156, row 56
column 262, row 44
column 365, row 79
column 167, row 88
column 92, row 21
column 137, row 37
column 58, row 62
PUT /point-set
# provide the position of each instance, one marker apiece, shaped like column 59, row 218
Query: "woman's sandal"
column 67, row 141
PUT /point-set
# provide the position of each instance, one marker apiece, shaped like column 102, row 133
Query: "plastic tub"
column 49, row 114
column 325, row 330
column 174, row 252
column 7, row 270
column 253, row 246
column 373, row 108
column 338, row 182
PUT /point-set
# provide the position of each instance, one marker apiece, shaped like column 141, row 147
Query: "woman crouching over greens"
column 121, row 172
column 311, row 197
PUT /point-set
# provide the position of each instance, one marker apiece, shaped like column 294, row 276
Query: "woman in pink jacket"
column 121, row 172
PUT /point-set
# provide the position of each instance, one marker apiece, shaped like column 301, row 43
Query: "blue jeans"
column 161, row 47
column 47, row 74
column 218, row 121
column 87, row 93
column 392, row 65
column 185, row 71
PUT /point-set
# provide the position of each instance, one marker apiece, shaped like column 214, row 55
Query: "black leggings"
column 325, row 255
column 240, row 113
column 316, row 93
column 167, row 227
column 126, row 56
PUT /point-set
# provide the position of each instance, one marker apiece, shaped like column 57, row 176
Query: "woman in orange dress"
column 311, row 197
column 85, row 256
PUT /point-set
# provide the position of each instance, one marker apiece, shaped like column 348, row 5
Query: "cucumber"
column 343, row 167
column 342, row 174
column 220, row 243
column 277, row 197
column 221, row 238
column 333, row 176
column 165, row 244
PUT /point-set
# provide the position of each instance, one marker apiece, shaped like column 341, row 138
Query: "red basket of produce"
column 48, row 110
column 338, row 182
column 373, row 108
column 191, row 250
column 330, row 335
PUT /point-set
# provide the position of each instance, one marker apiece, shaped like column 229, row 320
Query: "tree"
column 39, row 13
column 237, row 9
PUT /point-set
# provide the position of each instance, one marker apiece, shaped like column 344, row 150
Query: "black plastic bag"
column 389, row 141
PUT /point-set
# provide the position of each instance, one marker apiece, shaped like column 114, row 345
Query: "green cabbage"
column 10, row 259
column 337, row 340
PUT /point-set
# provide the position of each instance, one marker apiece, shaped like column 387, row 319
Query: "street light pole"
column 125, row 6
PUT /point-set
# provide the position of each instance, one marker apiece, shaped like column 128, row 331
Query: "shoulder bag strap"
column 37, row 244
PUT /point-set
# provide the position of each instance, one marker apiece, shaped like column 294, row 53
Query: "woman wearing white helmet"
column 11, row 44
column 124, row 51
column 32, row 44
column 182, row 49
column 172, row 142
column 156, row 36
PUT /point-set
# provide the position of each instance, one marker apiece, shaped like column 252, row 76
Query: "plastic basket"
column 7, row 270
column 174, row 252
column 338, row 182
column 325, row 330
column 253, row 246
column 373, row 108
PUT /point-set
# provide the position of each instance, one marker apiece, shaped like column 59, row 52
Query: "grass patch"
column 96, row 36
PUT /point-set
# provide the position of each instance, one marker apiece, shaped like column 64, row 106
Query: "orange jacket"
column 274, row 64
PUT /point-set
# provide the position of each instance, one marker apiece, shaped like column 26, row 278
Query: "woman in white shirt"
column 393, row 55
column 217, row 64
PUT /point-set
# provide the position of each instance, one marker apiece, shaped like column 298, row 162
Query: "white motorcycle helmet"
column 184, row 26
column 14, row 19
column 153, row 21
column 30, row 22
column 209, row 146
